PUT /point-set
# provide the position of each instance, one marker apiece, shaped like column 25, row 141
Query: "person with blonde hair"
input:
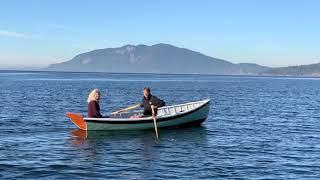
column 93, row 104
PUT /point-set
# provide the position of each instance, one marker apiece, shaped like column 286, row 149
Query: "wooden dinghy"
column 192, row 113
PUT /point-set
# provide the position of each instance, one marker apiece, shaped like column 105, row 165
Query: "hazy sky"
column 267, row 32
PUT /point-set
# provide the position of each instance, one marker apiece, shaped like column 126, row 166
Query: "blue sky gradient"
column 269, row 32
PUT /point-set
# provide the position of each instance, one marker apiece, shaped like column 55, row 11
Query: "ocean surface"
column 258, row 128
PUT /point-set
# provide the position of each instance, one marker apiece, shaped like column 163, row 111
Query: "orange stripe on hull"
column 78, row 120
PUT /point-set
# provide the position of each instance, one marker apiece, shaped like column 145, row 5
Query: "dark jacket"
column 151, row 100
column 94, row 110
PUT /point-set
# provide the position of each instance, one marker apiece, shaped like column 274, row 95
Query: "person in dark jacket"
column 93, row 104
column 149, row 101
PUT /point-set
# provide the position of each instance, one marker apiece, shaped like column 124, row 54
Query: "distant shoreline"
column 83, row 72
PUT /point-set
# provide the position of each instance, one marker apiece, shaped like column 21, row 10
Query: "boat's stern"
column 78, row 120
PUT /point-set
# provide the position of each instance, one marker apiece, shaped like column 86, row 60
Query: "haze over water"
column 258, row 127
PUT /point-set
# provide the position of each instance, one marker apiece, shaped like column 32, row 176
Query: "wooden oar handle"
column 152, row 110
column 126, row 109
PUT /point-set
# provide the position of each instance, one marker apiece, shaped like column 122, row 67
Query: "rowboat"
column 188, row 114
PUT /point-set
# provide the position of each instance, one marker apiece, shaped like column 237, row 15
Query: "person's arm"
column 156, row 102
column 142, row 102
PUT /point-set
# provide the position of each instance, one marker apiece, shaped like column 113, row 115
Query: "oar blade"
column 155, row 127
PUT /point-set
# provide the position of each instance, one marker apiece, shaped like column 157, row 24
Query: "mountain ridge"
column 299, row 70
column 168, row 59
column 157, row 58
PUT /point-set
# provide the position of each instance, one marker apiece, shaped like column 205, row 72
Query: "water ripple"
column 258, row 128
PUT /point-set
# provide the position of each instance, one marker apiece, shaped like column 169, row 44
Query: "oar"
column 126, row 109
column 154, row 121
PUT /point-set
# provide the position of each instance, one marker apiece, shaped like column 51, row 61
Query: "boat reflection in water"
column 139, row 153
column 138, row 141
column 195, row 133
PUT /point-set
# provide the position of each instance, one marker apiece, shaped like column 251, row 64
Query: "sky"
column 36, row 33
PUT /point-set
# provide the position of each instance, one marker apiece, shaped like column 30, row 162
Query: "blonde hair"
column 93, row 95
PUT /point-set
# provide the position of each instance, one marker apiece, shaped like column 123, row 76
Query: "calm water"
column 258, row 127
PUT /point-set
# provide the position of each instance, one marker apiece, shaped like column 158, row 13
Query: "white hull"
column 193, row 113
